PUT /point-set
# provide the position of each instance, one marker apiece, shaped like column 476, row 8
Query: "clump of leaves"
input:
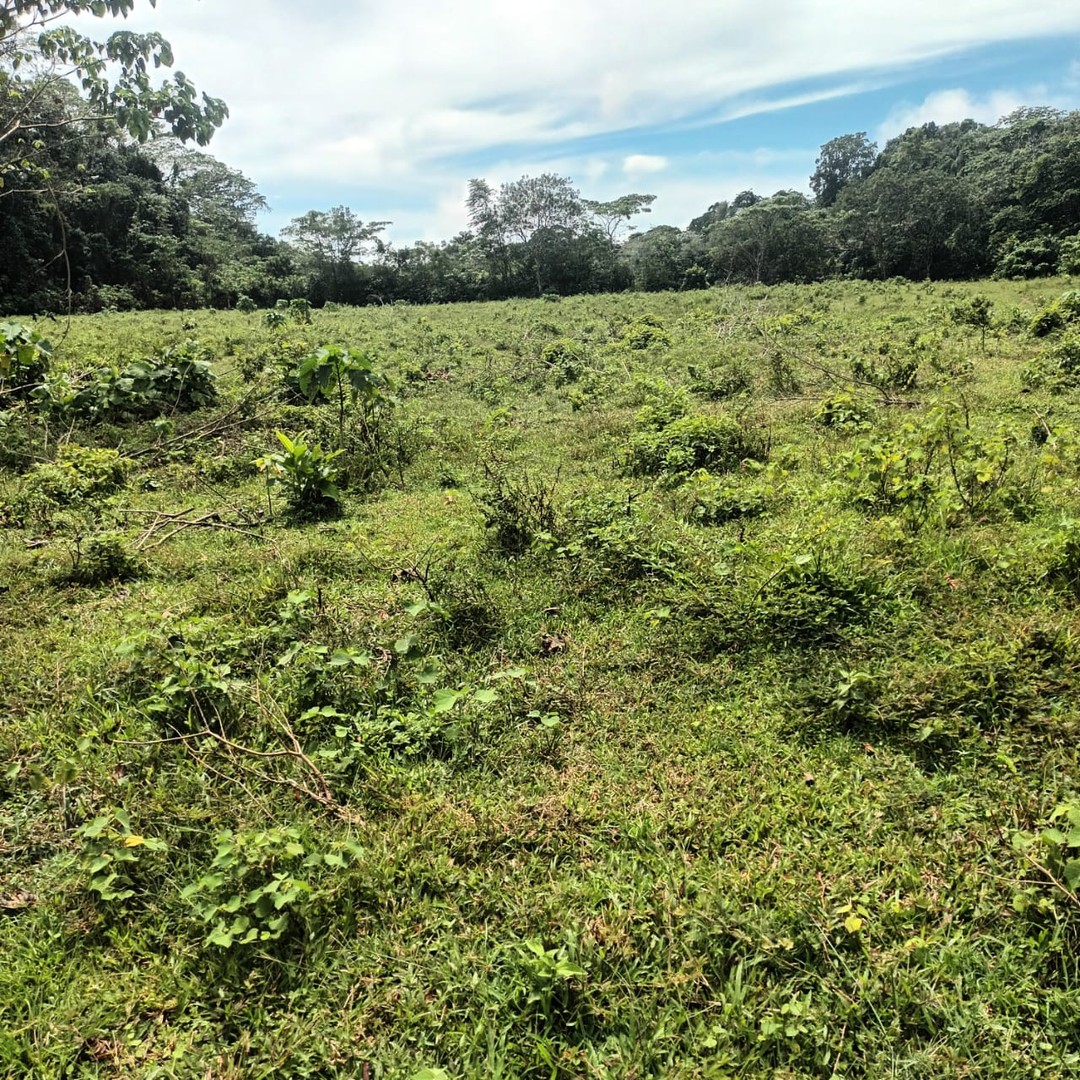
column 1057, row 369
column 24, row 360
column 844, row 412
column 257, row 889
column 706, row 499
column 721, row 382
column 891, row 372
column 715, row 443
column 78, row 474
column 111, row 855
column 307, row 474
column 1056, row 850
column 102, row 558
column 564, row 360
column 617, row 541
column 177, row 379
column 518, row 508
column 646, row 333
column 810, row 600
column 1057, row 315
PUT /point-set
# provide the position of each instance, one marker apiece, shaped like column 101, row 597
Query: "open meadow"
column 673, row 685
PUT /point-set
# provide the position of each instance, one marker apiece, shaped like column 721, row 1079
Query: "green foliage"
column 102, row 558
column 709, row 500
column 112, row 859
column 246, row 306
column 77, row 475
column 1057, row 315
column 810, row 600
column 564, row 359
column 307, row 473
column 1060, row 856
column 1056, row 369
column 721, row 381
column 890, row 372
column 939, row 461
column 844, row 412
column 690, row 443
column 518, row 509
column 253, row 893
column 176, row 379
column 24, row 361
column 646, row 333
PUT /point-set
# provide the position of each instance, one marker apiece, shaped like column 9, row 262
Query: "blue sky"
column 390, row 107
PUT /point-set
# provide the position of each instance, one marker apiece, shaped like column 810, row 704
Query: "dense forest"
column 89, row 213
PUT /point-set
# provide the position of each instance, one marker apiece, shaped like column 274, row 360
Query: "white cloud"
column 349, row 96
column 643, row 164
column 949, row 106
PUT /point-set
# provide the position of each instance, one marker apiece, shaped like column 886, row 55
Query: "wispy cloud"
column 384, row 97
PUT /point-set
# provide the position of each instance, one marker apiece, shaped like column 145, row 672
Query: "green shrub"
column 844, row 412
column 307, row 474
column 564, row 360
column 24, row 361
column 1057, row 369
column 646, row 334
column 176, row 379
column 517, row 508
column 707, row 500
column 810, row 601
column 102, row 558
column 77, row 474
column 721, row 382
column 715, row 443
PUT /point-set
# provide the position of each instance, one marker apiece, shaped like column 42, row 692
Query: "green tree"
column 612, row 215
column 840, row 161
column 38, row 53
column 333, row 242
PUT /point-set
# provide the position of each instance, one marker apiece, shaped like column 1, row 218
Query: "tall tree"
column 38, row 53
column 333, row 242
column 614, row 214
column 840, row 161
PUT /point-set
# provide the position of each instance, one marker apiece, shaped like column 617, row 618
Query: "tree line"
column 104, row 204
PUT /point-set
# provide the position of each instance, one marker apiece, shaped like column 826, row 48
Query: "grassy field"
column 653, row 685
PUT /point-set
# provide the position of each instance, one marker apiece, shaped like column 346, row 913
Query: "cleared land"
column 682, row 688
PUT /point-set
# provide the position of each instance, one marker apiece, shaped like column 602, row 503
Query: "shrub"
column 176, row 379
column 715, row 443
column 102, row 558
column 517, row 508
column 808, row 602
column 307, row 473
column 707, row 500
column 646, row 333
column 844, row 412
column 1056, row 369
column 24, row 360
column 724, row 381
column 564, row 359
column 78, row 474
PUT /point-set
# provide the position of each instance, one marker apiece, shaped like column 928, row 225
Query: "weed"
column 518, row 509
column 308, row 475
column 102, row 558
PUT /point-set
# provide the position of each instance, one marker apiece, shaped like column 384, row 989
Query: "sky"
column 391, row 106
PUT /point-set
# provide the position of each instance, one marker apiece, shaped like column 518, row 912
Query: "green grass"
column 560, row 764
